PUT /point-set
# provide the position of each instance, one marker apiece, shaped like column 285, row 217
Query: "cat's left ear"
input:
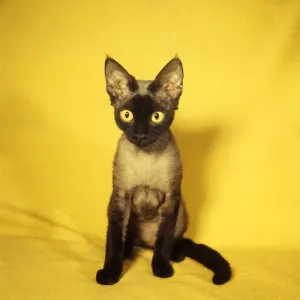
column 168, row 84
column 120, row 85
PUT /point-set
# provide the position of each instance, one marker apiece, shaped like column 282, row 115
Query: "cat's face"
column 144, row 109
column 143, row 120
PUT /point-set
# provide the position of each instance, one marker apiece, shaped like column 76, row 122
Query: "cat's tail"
column 205, row 255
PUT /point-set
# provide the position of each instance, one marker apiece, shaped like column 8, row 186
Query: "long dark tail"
column 205, row 255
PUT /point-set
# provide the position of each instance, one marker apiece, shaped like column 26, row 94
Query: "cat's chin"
column 141, row 143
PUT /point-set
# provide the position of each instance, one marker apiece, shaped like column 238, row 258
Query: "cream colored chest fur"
column 136, row 167
column 155, row 169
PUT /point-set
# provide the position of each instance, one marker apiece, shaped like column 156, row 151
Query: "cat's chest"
column 142, row 168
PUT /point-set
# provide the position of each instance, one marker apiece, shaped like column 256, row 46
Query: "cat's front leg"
column 165, row 236
column 114, row 256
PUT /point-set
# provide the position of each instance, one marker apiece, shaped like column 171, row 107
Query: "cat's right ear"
column 120, row 85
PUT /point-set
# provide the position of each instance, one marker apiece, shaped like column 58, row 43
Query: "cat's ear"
column 120, row 85
column 168, row 84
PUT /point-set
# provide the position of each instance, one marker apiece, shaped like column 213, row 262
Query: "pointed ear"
column 120, row 85
column 168, row 84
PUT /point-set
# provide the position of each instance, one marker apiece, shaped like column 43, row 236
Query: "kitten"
column 146, row 206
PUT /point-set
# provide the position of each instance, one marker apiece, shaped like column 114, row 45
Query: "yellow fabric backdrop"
column 238, row 126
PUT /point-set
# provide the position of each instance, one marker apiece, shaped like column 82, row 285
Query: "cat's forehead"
column 142, row 104
column 142, row 99
column 143, row 87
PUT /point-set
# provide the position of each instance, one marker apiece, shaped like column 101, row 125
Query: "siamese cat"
column 146, row 206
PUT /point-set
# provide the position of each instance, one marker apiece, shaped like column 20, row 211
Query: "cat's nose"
column 140, row 136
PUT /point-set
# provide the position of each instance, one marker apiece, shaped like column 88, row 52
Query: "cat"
column 146, row 206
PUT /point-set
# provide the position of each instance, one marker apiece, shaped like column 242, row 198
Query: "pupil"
column 156, row 116
column 127, row 115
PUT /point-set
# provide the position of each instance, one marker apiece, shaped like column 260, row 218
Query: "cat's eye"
column 157, row 117
column 126, row 115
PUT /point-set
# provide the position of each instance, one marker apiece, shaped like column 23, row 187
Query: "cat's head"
column 144, row 109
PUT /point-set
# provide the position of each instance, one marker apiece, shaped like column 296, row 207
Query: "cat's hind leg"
column 129, row 238
column 177, row 254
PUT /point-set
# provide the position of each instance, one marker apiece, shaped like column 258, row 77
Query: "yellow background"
column 238, row 125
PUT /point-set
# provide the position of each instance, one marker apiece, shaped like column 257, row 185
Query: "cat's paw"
column 162, row 269
column 108, row 276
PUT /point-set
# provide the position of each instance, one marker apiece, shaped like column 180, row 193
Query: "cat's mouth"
column 144, row 142
column 141, row 142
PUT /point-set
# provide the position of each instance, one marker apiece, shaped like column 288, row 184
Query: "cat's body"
column 146, row 206
column 147, row 175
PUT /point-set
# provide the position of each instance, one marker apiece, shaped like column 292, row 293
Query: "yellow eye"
column 157, row 117
column 126, row 115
